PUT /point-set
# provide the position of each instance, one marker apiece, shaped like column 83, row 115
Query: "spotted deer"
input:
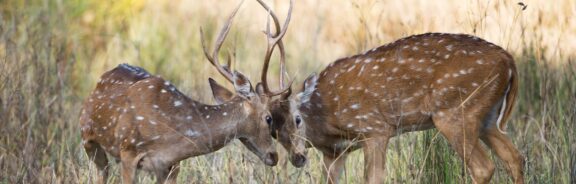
column 146, row 123
column 461, row 85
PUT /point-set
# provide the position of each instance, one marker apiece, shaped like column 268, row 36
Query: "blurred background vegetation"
column 52, row 53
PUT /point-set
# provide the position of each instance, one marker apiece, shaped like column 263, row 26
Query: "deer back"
column 106, row 103
column 401, row 84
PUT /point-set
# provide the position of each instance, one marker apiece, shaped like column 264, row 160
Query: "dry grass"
column 52, row 53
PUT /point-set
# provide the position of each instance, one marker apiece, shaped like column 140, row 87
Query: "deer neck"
column 319, row 131
column 214, row 126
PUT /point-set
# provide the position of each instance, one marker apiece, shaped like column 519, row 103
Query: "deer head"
column 256, row 139
column 289, row 125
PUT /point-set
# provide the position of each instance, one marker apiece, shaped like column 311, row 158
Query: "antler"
column 274, row 40
column 222, row 69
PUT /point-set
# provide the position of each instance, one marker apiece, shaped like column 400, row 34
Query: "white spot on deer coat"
column 177, row 103
column 191, row 133
column 407, row 99
column 351, row 68
column 139, row 118
column 355, row 106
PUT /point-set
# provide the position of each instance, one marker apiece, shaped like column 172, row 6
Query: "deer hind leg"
column 506, row 151
column 96, row 153
column 168, row 175
column 333, row 165
column 463, row 135
column 375, row 159
column 129, row 161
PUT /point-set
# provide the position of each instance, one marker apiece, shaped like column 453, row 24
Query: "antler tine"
column 274, row 40
column 283, row 71
column 223, row 70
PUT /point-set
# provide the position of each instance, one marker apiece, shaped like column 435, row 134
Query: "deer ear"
column 242, row 85
column 260, row 89
column 308, row 88
column 220, row 93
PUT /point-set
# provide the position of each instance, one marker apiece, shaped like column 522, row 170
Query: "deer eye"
column 298, row 120
column 269, row 120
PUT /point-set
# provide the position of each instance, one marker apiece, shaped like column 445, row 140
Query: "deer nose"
column 271, row 159
column 298, row 160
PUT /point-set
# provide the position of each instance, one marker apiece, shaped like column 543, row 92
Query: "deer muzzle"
column 271, row 159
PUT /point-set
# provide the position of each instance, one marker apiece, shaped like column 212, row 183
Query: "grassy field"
column 53, row 52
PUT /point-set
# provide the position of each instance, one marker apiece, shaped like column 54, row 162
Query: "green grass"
column 52, row 53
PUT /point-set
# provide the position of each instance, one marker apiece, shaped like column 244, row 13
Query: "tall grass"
column 52, row 53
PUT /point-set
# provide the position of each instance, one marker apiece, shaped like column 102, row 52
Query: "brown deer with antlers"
column 459, row 84
column 145, row 122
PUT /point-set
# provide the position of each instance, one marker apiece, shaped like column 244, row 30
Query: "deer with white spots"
column 146, row 123
column 459, row 84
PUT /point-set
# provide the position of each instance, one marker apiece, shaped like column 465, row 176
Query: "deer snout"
column 298, row 159
column 271, row 158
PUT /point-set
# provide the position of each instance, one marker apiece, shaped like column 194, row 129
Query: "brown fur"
column 452, row 82
column 145, row 122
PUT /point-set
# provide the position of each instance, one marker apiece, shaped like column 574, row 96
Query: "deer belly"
column 414, row 122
